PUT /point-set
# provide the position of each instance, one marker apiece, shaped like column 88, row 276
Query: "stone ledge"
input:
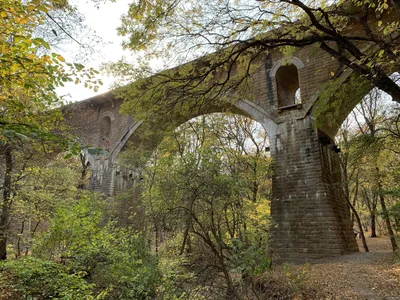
column 287, row 107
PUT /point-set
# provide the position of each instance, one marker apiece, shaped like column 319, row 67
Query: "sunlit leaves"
column 28, row 75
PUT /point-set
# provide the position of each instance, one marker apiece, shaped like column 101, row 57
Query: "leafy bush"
column 284, row 282
column 33, row 278
column 177, row 282
column 114, row 259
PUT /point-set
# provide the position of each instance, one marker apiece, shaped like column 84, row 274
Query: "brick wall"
column 309, row 212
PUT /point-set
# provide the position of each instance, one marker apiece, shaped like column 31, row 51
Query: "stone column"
column 310, row 215
column 101, row 177
column 112, row 180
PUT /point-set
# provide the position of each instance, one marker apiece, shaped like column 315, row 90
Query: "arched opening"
column 105, row 132
column 368, row 141
column 338, row 99
column 287, row 86
column 207, row 186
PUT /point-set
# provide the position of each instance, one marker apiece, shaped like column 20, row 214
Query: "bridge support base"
column 310, row 215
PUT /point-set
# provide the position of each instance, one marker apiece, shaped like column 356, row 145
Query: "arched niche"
column 286, row 74
column 108, row 114
column 288, row 86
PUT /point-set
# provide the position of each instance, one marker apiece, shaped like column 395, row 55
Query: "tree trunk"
column 84, row 171
column 5, row 206
column 386, row 215
column 33, row 231
column 353, row 217
column 231, row 292
column 19, row 239
column 373, row 224
column 186, row 237
column 355, row 214
column 386, row 84
column 156, row 238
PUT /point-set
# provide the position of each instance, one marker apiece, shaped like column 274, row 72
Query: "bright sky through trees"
column 104, row 20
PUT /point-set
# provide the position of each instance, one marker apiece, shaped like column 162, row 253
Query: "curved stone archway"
column 333, row 105
column 144, row 137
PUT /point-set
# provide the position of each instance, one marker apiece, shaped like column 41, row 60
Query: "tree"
column 370, row 112
column 350, row 176
column 42, row 185
column 29, row 75
column 240, row 32
column 368, row 154
column 206, row 188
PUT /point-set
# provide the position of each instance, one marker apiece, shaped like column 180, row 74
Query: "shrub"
column 33, row 278
column 114, row 259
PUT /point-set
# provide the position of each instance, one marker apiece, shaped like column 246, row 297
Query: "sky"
column 104, row 20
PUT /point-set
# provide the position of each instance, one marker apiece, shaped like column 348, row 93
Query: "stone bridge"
column 309, row 210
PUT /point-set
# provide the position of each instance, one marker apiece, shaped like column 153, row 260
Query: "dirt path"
column 373, row 275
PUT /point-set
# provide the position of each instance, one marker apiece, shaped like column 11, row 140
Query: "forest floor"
column 373, row 275
column 359, row 276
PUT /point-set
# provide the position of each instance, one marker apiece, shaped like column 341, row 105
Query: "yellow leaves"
column 288, row 52
column 18, row 39
column 31, row 7
column 27, row 79
column 43, row 8
column 14, row 67
column 382, row 6
column 45, row 59
column 60, row 58
column 22, row 21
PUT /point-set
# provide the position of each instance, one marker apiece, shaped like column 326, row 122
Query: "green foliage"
column 114, row 259
column 206, row 188
column 369, row 141
column 177, row 282
column 250, row 259
column 42, row 185
column 33, row 278
column 30, row 71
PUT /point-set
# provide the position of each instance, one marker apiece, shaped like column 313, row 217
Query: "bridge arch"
column 134, row 134
column 338, row 100
column 144, row 137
